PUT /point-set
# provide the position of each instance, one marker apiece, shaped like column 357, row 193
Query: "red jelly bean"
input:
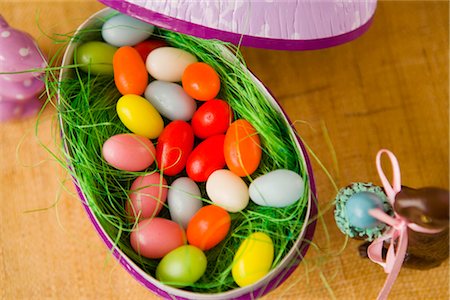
column 174, row 146
column 213, row 117
column 206, row 158
column 144, row 48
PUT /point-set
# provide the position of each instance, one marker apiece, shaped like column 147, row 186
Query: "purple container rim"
column 201, row 31
column 273, row 283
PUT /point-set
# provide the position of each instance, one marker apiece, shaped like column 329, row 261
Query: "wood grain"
column 387, row 89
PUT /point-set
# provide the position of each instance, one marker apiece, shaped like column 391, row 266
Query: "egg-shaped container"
column 278, row 25
column 352, row 20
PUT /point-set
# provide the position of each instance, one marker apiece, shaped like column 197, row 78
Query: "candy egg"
column 96, row 57
column 227, row 190
column 208, row 227
column 20, row 91
column 122, row 30
column 19, row 53
column 139, row 116
column 129, row 152
column 154, row 238
column 182, row 266
column 170, row 100
column 183, row 200
column 201, row 81
column 10, row 110
column 242, row 148
column 168, row 63
column 174, row 146
column 147, row 196
column 144, row 48
column 279, row 188
column 130, row 74
column 31, row 107
column 213, row 117
column 357, row 209
column 206, row 158
column 253, row 259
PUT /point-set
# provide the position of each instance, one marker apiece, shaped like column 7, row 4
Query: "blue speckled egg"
column 357, row 209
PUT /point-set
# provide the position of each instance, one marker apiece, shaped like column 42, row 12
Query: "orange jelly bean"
column 201, row 81
column 130, row 73
column 208, row 227
column 242, row 148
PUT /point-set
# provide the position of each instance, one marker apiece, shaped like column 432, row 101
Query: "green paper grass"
column 87, row 112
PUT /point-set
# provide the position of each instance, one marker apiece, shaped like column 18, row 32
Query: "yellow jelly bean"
column 253, row 259
column 139, row 116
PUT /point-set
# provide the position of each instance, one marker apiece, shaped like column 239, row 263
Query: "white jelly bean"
column 168, row 63
column 184, row 200
column 170, row 100
column 227, row 190
column 122, row 30
column 279, row 188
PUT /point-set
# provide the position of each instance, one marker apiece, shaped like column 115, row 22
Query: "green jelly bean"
column 96, row 57
column 182, row 267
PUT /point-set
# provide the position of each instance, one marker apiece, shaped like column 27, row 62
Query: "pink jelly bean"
column 147, row 197
column 129, row 152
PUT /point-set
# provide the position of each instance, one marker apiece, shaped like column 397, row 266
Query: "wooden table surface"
column 387, row 89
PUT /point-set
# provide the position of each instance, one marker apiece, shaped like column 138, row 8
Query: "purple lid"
column 270, row 24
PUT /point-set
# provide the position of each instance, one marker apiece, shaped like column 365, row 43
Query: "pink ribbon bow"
column 397, row 235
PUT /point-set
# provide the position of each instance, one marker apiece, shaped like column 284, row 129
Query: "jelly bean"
column 279, row 188
column 208, row 227
column 184, row 200
column 227, row 190
column 168, row 63
column 182, row 267
column 206, row 158
column 213, row 117
column 122, row 30
column 144, row 48
column 130, row 74
column 139, row 116
column 154, row 238
column 174, row 146
column 170, row 100
column 147, row 196
column 95, row 57
column 242, row 148
column 253, row 259
column 129, row 152
column 200, row 81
